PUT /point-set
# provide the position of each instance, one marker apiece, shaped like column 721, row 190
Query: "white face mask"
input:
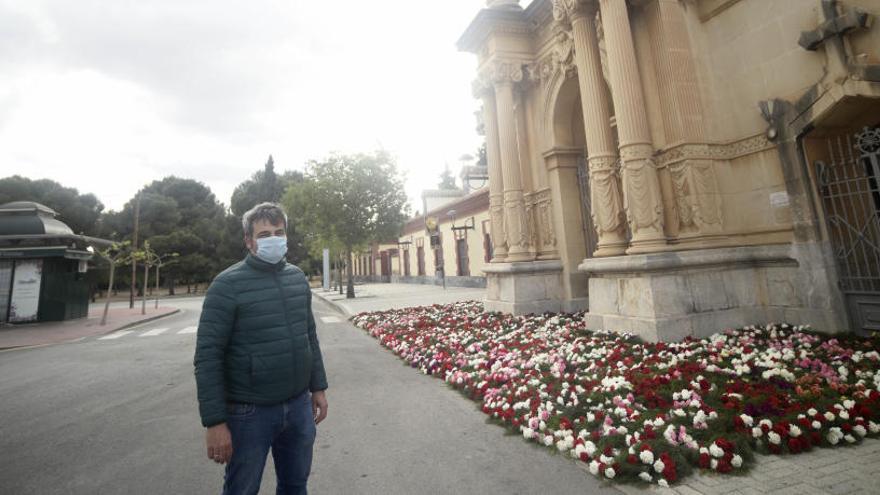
column 271, row 249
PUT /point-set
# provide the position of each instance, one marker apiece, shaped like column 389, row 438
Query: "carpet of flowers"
column 646, row 411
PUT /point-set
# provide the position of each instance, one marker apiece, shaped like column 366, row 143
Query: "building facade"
column 677, row 167
column 457, row 258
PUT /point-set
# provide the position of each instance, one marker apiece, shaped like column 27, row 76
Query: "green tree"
column 176, row 215
column 264, row 185
column 350, row 201
column 447, row 181
column 81, row 212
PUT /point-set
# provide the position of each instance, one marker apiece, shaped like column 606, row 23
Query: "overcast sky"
column 108, row 95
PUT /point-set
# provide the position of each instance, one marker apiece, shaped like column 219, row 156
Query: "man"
column 259, row 372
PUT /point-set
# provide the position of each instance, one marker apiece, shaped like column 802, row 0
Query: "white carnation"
column 659, row 466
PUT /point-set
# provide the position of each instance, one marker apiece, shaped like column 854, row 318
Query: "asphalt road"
column 119, row 416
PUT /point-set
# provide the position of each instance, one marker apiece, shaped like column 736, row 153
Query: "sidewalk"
column 839, row 471
column 56, row 332
column 379, row 297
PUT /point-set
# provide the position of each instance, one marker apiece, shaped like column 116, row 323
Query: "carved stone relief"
column 641, row 199
column 696, row 196
column 715, row 151
column 517, row 227
column 498, row 234
column 544, row 219
column 605, row 197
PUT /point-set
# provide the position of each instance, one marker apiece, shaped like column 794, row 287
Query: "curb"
column 338, row 307
column 140, row 322
column 108, row 331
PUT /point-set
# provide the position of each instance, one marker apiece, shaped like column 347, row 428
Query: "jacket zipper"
column 283, row 303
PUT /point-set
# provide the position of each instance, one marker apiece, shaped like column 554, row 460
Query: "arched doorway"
column 843, row 159
column 566, row 129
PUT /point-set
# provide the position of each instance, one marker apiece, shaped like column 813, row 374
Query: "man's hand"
column 219, row 442
column 319, row 406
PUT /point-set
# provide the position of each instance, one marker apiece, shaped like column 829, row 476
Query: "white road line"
column 188, row 330
column 154, row 332
column 116, row 335
column 330, row 319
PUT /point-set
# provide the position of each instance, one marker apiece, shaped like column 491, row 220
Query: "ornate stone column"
column 505, row 75
column 694, row 183
column 605, row 196
column 641, row 189
column 496, row 179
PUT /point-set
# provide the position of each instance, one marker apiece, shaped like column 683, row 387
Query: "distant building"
column 461, row 250
column 42, row 265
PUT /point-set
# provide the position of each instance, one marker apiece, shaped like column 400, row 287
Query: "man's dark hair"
column 272, row 212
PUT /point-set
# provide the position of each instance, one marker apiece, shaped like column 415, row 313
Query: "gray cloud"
column 217, row 65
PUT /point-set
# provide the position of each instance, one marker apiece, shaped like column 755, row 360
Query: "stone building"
column 677, row 167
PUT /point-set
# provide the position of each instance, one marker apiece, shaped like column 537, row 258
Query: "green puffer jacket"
column 256, row 340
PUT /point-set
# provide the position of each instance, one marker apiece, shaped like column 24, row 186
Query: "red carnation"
column 632, row 459
column 704, row 461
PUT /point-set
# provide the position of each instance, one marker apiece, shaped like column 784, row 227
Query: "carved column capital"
column 506, row 72
column 566, row 11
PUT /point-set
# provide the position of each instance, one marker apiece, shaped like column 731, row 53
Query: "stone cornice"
column 492, row 21
column 714, row 151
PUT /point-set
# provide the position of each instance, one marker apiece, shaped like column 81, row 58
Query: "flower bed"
column 642, row 411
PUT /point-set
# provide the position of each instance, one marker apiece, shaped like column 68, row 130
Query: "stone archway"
column 563, row 132
column 565, row 126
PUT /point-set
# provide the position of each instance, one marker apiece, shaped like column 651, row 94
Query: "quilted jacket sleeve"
column 215, row 328
column 319, row 377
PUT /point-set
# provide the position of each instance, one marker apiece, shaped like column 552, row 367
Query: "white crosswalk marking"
column 188, row 330
column 154, row 332
column 116, row 335
column 330, row 319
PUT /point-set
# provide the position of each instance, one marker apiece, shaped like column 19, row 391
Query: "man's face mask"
column 271, row 249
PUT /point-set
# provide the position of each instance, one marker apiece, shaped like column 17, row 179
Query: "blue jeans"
column 288, row 428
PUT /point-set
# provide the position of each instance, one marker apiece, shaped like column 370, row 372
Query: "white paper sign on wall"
column 26, row 291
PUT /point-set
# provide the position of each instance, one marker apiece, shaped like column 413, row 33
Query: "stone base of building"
column 673, row 295
column 451, row 281
column 524, row 287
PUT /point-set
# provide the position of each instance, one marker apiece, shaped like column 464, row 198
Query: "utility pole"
column 134, row 244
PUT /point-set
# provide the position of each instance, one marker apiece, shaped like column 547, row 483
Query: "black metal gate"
column 848, row 185
column 583, row 175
